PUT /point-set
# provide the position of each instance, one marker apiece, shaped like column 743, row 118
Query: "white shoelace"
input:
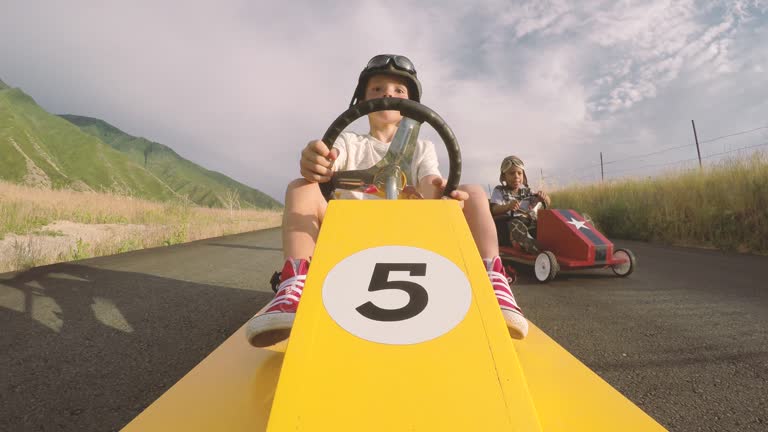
column 288, row 287
column 501, row 289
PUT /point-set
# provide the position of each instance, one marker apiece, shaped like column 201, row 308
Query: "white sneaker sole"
column 270, row 330
column 517, row 325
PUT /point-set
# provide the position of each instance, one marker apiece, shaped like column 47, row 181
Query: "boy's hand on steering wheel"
column 316, row 164
column 544, row 197
column 458, row 195
column 410, row 192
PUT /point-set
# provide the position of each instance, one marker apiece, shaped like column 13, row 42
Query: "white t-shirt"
column 364, row 151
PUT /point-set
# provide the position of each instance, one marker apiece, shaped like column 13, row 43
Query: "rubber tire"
column 551, row 261
column 632, row 263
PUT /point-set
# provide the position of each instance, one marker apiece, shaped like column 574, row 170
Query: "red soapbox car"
column 565, row 241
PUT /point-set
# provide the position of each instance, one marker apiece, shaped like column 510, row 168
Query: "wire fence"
column 613, row 169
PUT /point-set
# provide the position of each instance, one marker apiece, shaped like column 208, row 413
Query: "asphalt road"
column 87, row 346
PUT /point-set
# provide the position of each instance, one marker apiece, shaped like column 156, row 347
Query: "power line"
column 686, row 145
column 735, row 150
column 690, row 160
column 647, row 154
column 654, row 165
column 733, row 134
column 657, row 152
column 625, row 159
column 580, row 168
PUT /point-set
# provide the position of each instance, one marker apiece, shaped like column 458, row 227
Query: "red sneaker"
column 513, row 315
column 272, row 324
column 511, row 274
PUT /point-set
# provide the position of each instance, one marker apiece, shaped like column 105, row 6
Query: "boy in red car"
column 512, row 203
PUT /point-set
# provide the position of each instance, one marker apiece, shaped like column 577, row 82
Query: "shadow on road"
column 85, row 348
column 525, row 275
column 238, row 246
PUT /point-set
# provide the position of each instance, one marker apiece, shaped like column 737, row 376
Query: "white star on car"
column 578, row 224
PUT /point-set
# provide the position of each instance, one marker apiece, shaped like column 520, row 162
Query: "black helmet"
column 508, row 163
column 390, row 64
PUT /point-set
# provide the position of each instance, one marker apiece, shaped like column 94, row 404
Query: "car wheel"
column 625, row 269
column 546, row 267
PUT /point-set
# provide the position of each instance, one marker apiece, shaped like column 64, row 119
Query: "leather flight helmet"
column 509, row 162
column 390, row 64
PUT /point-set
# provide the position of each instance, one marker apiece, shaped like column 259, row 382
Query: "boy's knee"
column 303, row 187
column 297, row 183
column 474, row 191
column 304, row 191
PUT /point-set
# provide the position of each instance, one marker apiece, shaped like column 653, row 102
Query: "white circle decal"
column 397, row 295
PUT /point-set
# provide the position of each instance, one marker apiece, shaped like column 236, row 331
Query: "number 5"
column 418, row 297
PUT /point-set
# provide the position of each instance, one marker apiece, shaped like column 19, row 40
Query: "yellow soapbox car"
column 398, row 330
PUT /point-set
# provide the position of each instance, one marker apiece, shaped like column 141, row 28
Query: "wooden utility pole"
column 695, row 137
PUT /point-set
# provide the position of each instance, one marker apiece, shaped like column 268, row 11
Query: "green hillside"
column 208, row 188
column 40, row 149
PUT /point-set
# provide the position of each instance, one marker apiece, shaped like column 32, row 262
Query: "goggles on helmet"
column 400, row 62
column 511, row 161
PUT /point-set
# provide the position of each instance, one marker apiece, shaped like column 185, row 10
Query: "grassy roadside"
column 87, row 224
column 723, row 206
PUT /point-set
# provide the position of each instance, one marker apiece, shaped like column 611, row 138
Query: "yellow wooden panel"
column 466, row 379
column 230, row 390
column 472, row 378
column 569, row 396
column 233, row 388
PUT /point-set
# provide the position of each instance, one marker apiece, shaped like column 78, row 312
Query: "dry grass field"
column 723, row 206
column 43, row 226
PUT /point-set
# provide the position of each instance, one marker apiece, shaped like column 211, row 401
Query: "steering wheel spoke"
column 353, row 179
column 392, row 173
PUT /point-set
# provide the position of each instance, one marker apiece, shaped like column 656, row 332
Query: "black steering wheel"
column 408, row 108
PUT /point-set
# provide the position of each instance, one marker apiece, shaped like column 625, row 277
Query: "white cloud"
column 241, row 86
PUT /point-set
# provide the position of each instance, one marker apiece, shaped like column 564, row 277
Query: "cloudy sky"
column 241, row 86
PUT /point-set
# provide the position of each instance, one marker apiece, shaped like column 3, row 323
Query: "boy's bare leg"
column 305, row 208
column 303, row 214
column 480, row 221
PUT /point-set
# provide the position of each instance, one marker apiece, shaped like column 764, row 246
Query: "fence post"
column 602, row 172
column 695, row 137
